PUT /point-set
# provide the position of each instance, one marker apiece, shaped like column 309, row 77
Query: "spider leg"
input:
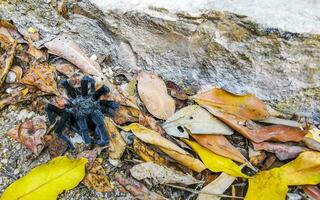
column 83, row 130
column 109, row 107
column 85, row 81
column 98, row 120
column 101, row 91
column 53, row 110
column 71, row 91
column 59, row 128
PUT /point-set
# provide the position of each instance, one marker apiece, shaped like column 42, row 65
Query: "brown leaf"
column 36, row 53
column 256, row 157
column 14, row 98
column 41, row 77
column 66, row 48
column 18, row 71
column 245, row 106
column 146, row 153
column 282, row 151
column 312, row 191
column 30, row 133
column 151, row 123
column 176, row 91
column 126, row 114
column 221, row 146
column 97, row 178
column 153, row 93
column 280, row 133
column 56, row 147
column 65, row 68
column 117, row 144
column 91, row 155
column 137, row 189
column 8, row 60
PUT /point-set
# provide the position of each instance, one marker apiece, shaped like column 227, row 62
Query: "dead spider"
column 83, row 112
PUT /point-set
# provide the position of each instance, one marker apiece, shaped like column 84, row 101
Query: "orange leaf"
column 312, row 191
column 245, row 106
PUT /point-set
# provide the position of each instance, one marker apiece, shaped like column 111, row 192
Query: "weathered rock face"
column 211, row 48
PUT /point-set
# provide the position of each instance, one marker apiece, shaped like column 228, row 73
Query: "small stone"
column 4, row 161
column 16, row 171
column 11, row 77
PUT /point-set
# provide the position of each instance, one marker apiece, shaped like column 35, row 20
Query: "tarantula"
column 83, row 112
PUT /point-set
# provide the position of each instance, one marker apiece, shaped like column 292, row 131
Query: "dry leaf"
column 312, row 191
column 312, row 139
column 14, row 98
column 176, row 91
column 137, row 189
column 150, row 122
column 8, row 60
column 218, row 186
column 97, row 178
column 126, row 114
column 153, row 93
column 221, row 146
column 273, row 184
column 168, row 147
column 30, row 133
column 245, row 106
column 66, row 48
column 275, row 120
column 18, row 71
column 161, row 174
column 146, row 153
column 256, row 157
column 65, row 68
column 282, row 151
column 279, row 133
column 36, row 53
column 56, row 146
column 48, row 180
column 91, row 155
column 194, row 120
column 215, row 162
column 41, row 77
column 117, row 144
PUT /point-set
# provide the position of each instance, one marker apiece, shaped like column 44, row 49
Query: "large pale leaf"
column 273, row 184
column 153, row 93
column 168, row 147
column 246, row 106
column 66, row 48
column 215, row 162
column 280, row 133
column 196, row 120
column 45, row 182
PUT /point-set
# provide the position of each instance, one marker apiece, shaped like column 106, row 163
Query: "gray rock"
column 11, row 77
column 201, row 49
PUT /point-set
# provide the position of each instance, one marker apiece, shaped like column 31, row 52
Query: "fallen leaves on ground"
column 117, row 144
column 217, row 186
column 161, row 174
column 137, row 189
column 64, row 47
column 215, row 162
column 48, row 180
column 17, row 96
column 282, row 151
column 176, row 91
column 96, row 177
column 126, row 114
column 245, row 106
column 153, row 93
column 56, row 147
column 30, row 133
column 7, row 62
column 273, row 184
column 146, row 153
column 312, row 191
column 280, row 133
column 256, row 157
column 312, row 139
column 41, row 77
column 195, row 120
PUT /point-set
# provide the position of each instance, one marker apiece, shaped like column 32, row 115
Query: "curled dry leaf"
column 137, row 189
column 218, row 186
column 168, row 147
column 245, row 106
column 312, row 191
column 282, row 151
column 312, row 139
column 117, row 144
column 161, row 174
column 195, row 120
column 176, row 91
column 66, row 48
column 273, row 184
column 96, row 177
column 147, row 154
column 48, row 180
column 280, row 133
column 30, row 133
column 153, row 93
column 41, row 77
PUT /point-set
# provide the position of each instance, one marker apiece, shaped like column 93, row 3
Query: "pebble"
column 4, row 161
column 16, row 171
column 11, row 77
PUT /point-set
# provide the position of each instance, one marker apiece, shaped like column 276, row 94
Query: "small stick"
column 202, row 192
column 8, row 63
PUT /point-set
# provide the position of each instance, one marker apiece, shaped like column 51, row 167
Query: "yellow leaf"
column 245, row 106
column 215, row 162
column 146, row 153
column 168, row 147
column 273, row 184
column 48, row 180
column 314, row 134
column 117, row 144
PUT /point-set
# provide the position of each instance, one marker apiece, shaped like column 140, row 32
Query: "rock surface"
column 200, row 49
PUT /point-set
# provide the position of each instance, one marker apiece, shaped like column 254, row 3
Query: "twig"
column 203, row 192
column 8, row 63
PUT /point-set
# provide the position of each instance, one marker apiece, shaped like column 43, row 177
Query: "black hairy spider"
column 83, row 112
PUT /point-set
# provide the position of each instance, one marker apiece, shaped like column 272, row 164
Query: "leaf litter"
column 142, row 145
